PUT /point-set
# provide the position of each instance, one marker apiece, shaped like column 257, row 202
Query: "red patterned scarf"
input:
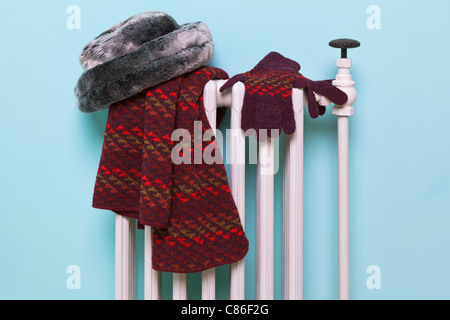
column 190, row 207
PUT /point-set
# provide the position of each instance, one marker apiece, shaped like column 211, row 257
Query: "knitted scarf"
column 196, row 225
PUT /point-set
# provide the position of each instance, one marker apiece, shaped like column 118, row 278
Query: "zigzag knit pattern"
column 268, row 96
column 196, row 225
column 267, row 90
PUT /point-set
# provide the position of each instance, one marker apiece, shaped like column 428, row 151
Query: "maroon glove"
column 268, row 96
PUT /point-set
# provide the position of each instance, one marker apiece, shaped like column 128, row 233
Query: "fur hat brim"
column 181, row 51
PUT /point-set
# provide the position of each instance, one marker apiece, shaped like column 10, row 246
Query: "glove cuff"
column 276, row 62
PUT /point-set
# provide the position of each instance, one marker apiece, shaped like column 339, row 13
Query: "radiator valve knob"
column 344, row 44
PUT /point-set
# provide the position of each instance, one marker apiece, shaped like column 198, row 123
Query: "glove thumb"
column 232, row 81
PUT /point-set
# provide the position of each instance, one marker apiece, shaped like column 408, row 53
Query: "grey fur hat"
column 139, row 53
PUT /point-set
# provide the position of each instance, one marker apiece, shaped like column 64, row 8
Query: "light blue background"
column 399, row 153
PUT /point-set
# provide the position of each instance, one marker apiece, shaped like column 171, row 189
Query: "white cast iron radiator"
column 292, row 205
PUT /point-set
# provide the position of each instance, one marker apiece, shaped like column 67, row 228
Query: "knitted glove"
column 268, row 96
column 325, row 88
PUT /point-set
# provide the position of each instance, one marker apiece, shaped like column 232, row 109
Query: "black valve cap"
column 344, row 44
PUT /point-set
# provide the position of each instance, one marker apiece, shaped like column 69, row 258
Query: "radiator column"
column 345, row 83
